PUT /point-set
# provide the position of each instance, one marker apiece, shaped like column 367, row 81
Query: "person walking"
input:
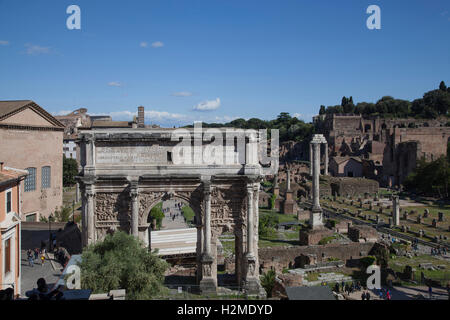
column 363, row 296
column 430, row 291
column 30, row 258
column 42, row 259
column 36, row 253
column 388, row 295
column 367, row 295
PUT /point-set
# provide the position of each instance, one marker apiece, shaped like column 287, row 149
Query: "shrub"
column 157, row 214
column 268, row 282
column 367, row 261
column 120, row 261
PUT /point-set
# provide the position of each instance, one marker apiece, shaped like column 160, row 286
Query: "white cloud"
column 143, row 44
column 4, row 42
column 33, row 49
column 162, row 118
column 444, row 13
column 62, row 112
column 157, row 44
column 182, row 94
column 114, row 84
column 208, row 105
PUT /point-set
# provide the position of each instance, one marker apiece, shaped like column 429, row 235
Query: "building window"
column 8, row 201
column 31, row 217
column 8, row 255
column 30, row 180
column 45, row 177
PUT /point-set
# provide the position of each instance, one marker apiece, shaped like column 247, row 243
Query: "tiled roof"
column 9, row 175
column 7, row 107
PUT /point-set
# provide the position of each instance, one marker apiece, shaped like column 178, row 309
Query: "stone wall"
column 280, row 258
column 353, row 186
column 23, row 149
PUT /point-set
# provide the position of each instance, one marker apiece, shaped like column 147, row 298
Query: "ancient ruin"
column 124, row 173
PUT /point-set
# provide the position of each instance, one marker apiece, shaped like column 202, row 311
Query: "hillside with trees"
column 433, row 104
column 290, row 128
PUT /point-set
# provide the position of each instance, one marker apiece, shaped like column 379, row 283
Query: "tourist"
column 42, row 259
column 41, row 292
column 388, row 295
column 430, row 291
column 30, row 258
column 367, row 295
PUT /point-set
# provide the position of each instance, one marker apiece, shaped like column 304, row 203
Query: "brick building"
column 388, row 148
column 31, row 139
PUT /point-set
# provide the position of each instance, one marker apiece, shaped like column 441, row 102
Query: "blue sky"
column 233, row 58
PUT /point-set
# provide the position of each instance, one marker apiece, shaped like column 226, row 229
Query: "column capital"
column 90, row 192
column 134, row 193
column 207, row 187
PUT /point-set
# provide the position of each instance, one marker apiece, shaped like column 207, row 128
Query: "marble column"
column 326, row 160
column 88, row 150
column 251, row 281
column 250, row 223
column 84, row 220
column 134, row 211
column 396, row 210
column 311, row 159
column 316, row 219
column 208, row 282
column 316, row 174
column 207, row 224
column 90, row 214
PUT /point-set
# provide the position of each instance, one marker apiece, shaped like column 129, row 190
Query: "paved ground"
column 32, row 239
column 406, row 293
column 173, row 216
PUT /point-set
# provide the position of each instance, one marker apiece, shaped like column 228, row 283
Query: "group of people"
column 439, row 251
column 384, row 294
column 348, row 288
column 34, row 254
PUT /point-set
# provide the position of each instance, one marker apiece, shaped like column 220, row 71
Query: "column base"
column 316, row 219
column 208, row 282
column 208, row 285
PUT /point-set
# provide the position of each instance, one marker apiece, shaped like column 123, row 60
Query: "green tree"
column 120, row 261
column 64, row 214
column 430, row 178
column 157, row 214
column 267, row 224
column 322, row 109
column 268, row 282
column 70, row 170
column 188, row 214
column 442, row 86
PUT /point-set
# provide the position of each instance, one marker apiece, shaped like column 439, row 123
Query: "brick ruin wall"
column 280, row 258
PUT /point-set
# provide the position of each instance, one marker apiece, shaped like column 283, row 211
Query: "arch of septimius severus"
column 125, row 172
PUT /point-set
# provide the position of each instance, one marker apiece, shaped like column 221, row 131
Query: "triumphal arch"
column 125, row 172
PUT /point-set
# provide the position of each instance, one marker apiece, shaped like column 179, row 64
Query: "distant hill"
column 433, row 104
